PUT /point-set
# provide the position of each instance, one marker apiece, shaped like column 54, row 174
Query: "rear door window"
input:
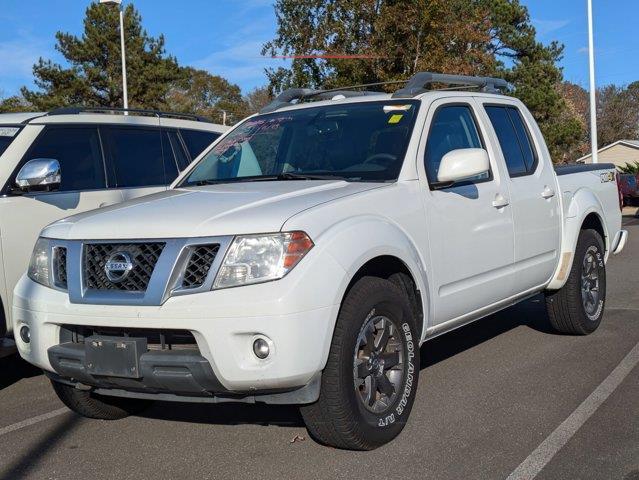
column 196, row 140
column 79, row 152
column 514, row 139
column 135, row 156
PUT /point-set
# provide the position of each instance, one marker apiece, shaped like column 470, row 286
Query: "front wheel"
column 577, row 308
column 370, row 380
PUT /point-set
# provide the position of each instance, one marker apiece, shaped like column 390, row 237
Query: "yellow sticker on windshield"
column 395, row 119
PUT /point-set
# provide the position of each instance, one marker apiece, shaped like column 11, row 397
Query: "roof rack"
column 138, row 111
column 287, row 97
column 418, row 83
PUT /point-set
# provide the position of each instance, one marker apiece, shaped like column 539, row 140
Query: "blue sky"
column 225, row 37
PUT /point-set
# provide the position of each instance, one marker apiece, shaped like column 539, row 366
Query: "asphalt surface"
column 489, row 395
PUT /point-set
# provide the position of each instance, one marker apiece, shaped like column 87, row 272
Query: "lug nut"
column 25, row 334
column 261, row 348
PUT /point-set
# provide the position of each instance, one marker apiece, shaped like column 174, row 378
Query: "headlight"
column 40, row 266
column 260, row 258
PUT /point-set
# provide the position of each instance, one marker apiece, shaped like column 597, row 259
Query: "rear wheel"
column 577, row 308
column 370, row 380
column 102, row 407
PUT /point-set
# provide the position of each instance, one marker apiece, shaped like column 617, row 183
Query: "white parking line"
column 538, row 459
column 32, row 421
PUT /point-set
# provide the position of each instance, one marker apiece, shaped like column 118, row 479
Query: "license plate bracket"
column 114, row 356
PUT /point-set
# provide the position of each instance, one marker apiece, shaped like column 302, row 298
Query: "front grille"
column 60, row 267
column 144, row 257
column 200, row 261
column 165, row 339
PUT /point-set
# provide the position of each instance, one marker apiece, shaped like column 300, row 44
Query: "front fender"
column 355, row 241
column 580, row 205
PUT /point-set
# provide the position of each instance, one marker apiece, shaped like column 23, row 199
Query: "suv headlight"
column 261, row 258
column 40, row 265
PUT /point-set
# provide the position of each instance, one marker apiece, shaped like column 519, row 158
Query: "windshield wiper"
column 308, row 176
column 270, row 178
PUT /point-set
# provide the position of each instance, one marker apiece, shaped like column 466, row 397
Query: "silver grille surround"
column 166, row 280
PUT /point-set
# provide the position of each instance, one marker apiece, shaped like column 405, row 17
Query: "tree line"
column 397, row 37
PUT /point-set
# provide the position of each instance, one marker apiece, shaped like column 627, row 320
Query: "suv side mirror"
column 462, row 164
column 39, row 174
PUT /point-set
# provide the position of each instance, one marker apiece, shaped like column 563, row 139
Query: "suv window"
column 79, row 153
column 453, row 127
column 7, row 134
column 196, row 141
column 136, row 156
column 514, row 139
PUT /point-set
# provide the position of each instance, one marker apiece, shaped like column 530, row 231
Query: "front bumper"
column 224, row 323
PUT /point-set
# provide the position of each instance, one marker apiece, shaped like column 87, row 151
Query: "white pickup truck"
column 309, row 253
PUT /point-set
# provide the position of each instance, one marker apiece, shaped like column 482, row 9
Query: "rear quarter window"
column 196, row 141
column 7, row 135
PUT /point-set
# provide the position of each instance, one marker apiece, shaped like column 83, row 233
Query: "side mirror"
column 463, row 164
column 39, row 174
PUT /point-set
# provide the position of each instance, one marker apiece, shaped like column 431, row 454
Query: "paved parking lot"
column 500, row 394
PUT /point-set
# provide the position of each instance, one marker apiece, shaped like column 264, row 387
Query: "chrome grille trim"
column 165, row 281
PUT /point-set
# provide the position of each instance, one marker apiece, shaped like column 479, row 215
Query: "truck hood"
column 225, row 209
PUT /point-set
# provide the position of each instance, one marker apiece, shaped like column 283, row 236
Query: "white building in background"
column 620, row 153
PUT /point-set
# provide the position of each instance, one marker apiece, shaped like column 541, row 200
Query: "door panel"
column 23, row 217
column 534, row 200
column 472, row 240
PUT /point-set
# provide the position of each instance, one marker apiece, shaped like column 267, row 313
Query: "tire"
column 352, row 412
column 572, row 310
column 102, row 407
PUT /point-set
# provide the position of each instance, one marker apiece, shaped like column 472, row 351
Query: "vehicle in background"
column 629, row 188
column 71, row 160
column 311, row 251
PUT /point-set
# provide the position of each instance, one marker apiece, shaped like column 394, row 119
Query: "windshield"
column 356, row 142
column 7, row 134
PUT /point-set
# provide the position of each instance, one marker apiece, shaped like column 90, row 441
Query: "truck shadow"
column 13, row 369
column 530, row 313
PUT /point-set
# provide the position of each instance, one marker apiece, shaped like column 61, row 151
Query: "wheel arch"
column 384, row 251
column 584, row 212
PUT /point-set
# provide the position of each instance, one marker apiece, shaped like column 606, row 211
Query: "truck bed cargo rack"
column 136, row 111
column 419, row 83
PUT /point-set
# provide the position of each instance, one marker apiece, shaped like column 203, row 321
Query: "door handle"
column 548, row 192
column 500, row 201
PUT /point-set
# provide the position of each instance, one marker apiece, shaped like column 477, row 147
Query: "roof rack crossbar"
column 418, row 83
column 157, row 113
column 287, row 97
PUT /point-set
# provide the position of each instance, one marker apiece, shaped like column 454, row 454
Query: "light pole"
column 122, row 48
column 593, row 87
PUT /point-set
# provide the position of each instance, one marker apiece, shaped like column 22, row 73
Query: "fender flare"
column 356, row 241
column 581, row 204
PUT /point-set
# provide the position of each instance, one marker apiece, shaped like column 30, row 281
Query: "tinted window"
column 136, row 156
column 355, row 141
column 170, row 163
column 79, row 153
column 452, row 128
column 178, row 150
column 196, row 141
column 513, row 138
column 7, row 134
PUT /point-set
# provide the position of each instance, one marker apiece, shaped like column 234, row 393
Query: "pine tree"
column 94, row 75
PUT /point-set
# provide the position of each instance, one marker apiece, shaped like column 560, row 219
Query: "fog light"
column 261, row 348
column 25, row 334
